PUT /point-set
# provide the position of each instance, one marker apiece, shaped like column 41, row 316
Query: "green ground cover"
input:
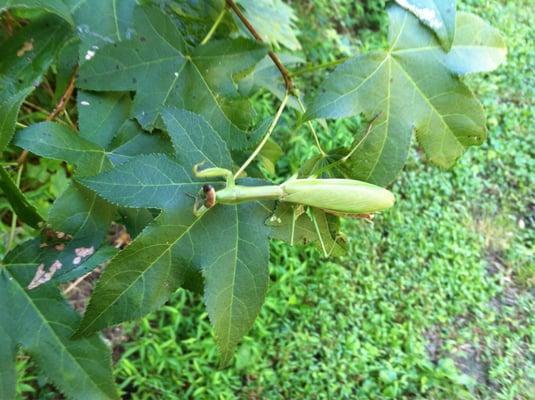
column 435, row 300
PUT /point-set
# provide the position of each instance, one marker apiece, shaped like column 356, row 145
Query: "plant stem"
column 284, row 72
column 266, row 137
column 14, row 216
column 57, row 110
column 214, row 26
column 312, row 129
column 312, row 68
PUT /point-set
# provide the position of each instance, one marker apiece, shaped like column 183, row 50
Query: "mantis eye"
column 210, row 196
column 207, row 188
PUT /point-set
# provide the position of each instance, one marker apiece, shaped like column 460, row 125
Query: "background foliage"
column 436, row 301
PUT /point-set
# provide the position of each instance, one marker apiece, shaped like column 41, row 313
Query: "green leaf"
column 405, row 89
column 24, row 58
column 78, row 212
column 133, row 141
column 9, row 111
column 135, row 219
column 228, row 244
column 58, row 142
column 83, row 215
column 41, row 322
column 141, row 277
column 52, row 6
column 438, row 15
column 236, row 271
column 273, row 20
column 194, row 140
column 157, row 180
column 112, row 23
column 100, row 115
column 293, row 225
column 21, row 205
column 153, row 181
column 478, row 47
column 270, row 154
column 103, row 254
column 8, row 378
column 162, row 71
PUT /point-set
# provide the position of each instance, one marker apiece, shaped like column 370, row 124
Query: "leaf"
column 135, row 219
column 112, row 23
column 58, row 142
column 293, row 225
column 229, row 244
column 8, row 378
column 100, row 115
column 101, row 256
column 41, row 322
column 477, row 47
column 236, row 272
column 131, row 140
column 52, row 6
column 24, row 58
column 9, row 111
column 438, row 15
column 273, row 20
column 162, row 71
column 270, row 154
column 405, row 89
column 20, row 204
column 157, row 180
column 153, row 180
column 194, row 140
column 78, row 212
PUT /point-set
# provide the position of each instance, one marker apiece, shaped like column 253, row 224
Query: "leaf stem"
column 312, row 129
column 312, row 68
column 14, row 216
column 60, row 107
column 284, row 72
column 214, row 26
column 266, row 137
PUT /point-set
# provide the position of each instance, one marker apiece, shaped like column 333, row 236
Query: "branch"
column 284, row 72
column 57, row 110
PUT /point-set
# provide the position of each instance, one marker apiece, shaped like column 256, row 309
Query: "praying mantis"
column 335, row 196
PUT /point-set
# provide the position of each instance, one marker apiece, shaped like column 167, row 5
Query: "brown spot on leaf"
column 84, row 251
column 26, row 47
column 42, row 276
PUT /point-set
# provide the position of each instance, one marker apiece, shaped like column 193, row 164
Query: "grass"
column 435, row 300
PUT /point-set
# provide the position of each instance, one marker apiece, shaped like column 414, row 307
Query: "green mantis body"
column 341, row 196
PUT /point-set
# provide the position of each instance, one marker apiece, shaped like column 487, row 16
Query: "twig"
column 57, row 110
column 214, row 26
column 284, row 72
column 14, row 216
column 266, row 137
column 312, row 129
column 317, row 67
column 65, row 98
column 73, row 285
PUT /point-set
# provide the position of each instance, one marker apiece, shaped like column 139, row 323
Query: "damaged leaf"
column 81, row 368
